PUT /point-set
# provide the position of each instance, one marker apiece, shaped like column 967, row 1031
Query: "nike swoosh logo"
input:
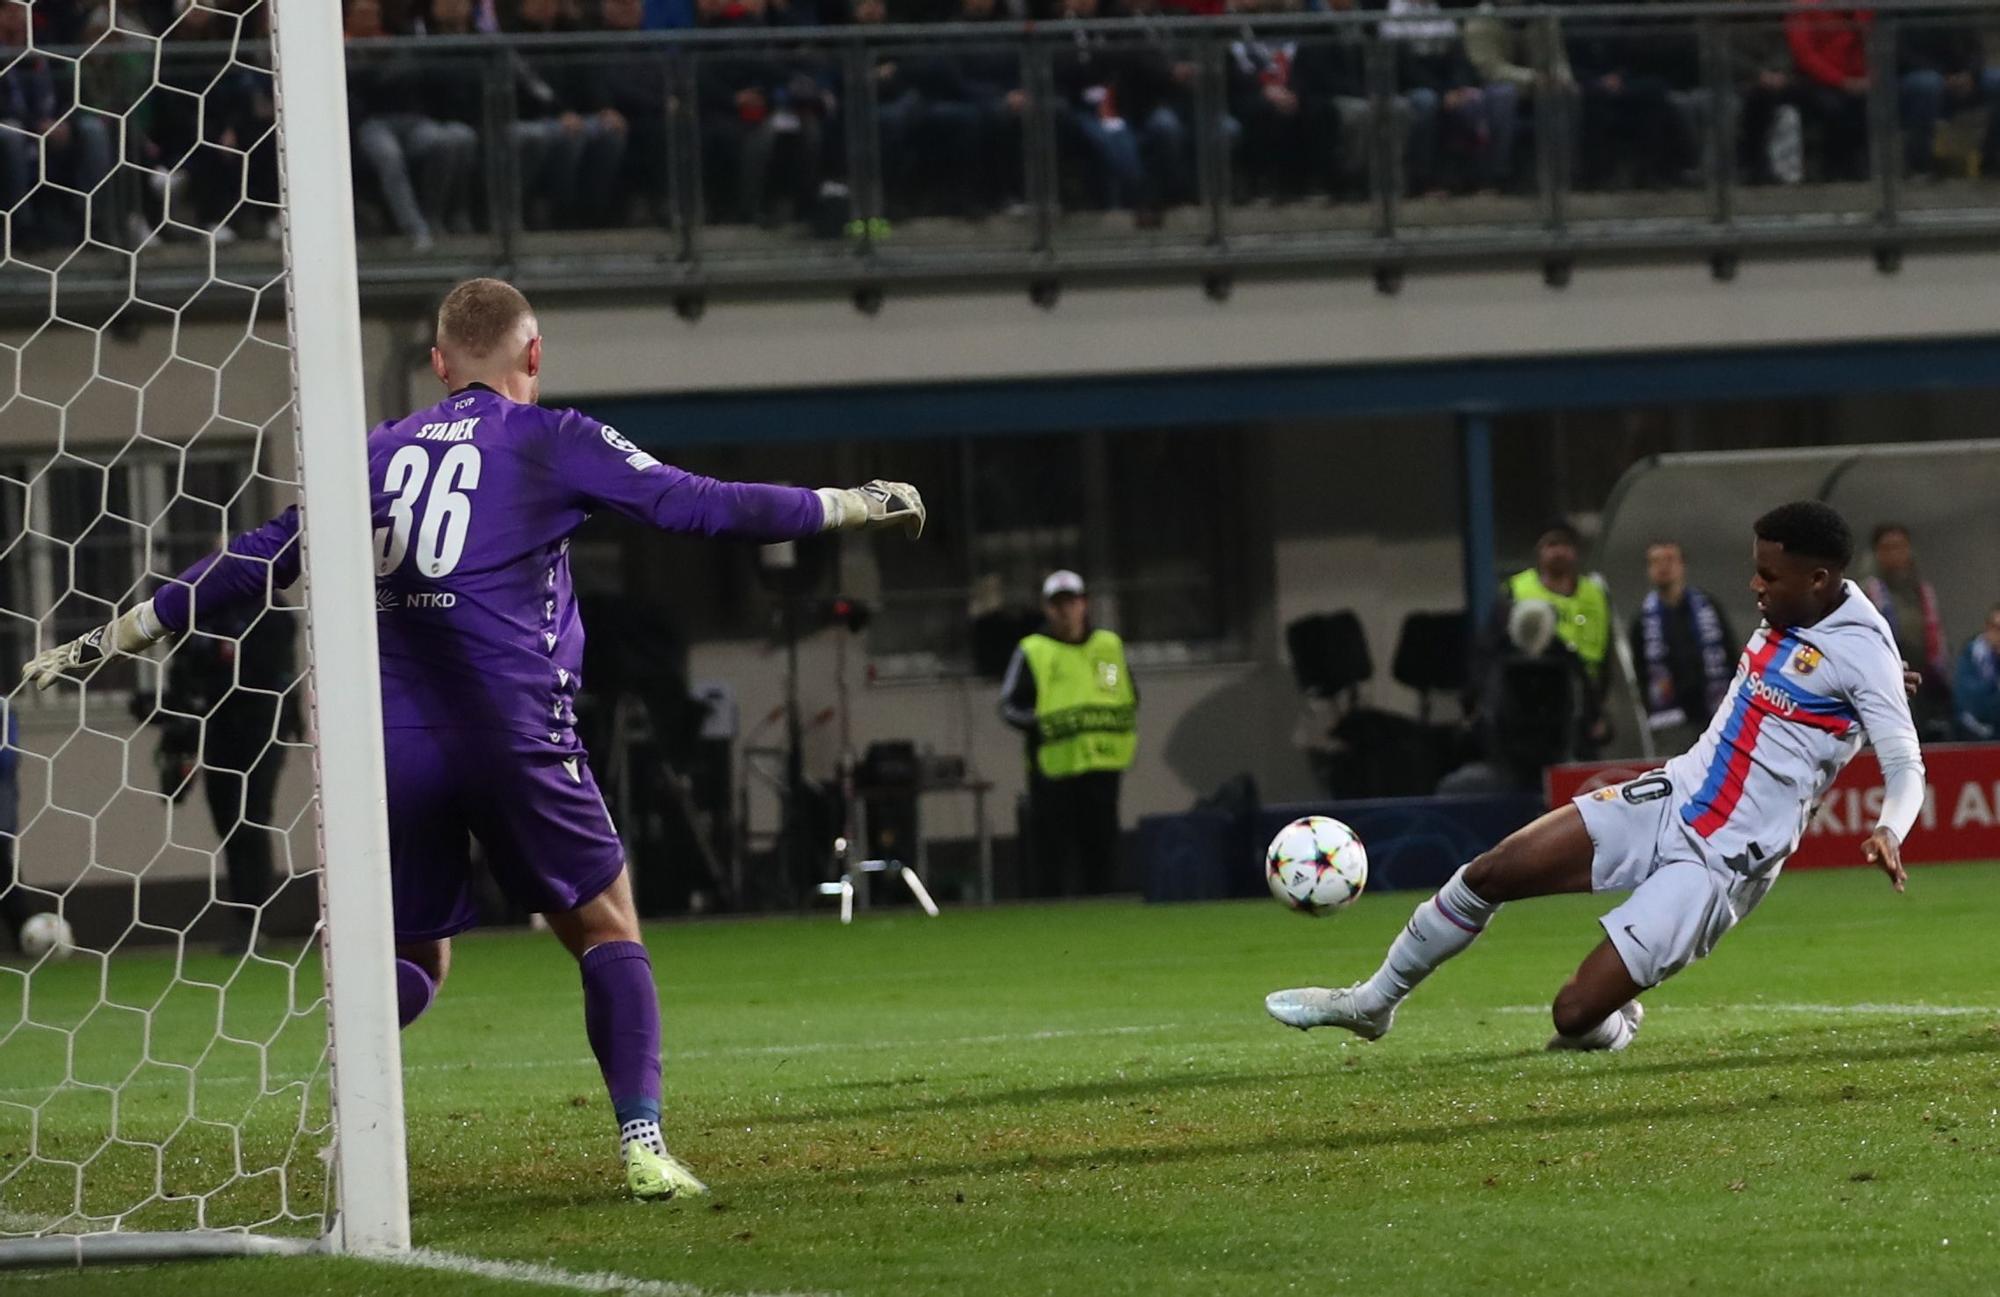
column 569, row 764
column 1635, row 937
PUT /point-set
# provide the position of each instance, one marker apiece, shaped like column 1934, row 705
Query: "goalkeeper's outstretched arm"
column 603, row 467
column 249, row 568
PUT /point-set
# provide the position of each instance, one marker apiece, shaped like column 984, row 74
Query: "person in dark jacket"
column 1941, row 71
column 210, row 142
column 634, row 87
column 1533, row 701
column 1440, row 90
column 40, row 135
column 18, row 903
column 1975, row 684
column 928, row 135
column 568, row 160
column 764, row 122
column 453, row 91
column 1625, row 79
column 237, row 676
column 419, row 162
column 1284, row 95
column 1112, row 114
column 1683, row 649
column 1910, row 605
column 975, row 94
column 1155, row 90
column 1768, row 86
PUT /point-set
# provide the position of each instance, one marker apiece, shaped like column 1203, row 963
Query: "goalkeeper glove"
column 133, row 632
column 868, row 508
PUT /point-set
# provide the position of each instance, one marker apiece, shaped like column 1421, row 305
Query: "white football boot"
column 1307, row 1007
column 1634, row 1014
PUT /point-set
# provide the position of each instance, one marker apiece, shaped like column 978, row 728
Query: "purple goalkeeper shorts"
column 540, row 820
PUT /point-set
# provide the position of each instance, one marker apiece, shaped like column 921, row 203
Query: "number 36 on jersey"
column 437, row 518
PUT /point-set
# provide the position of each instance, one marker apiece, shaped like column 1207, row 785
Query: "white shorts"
column 1682, row 900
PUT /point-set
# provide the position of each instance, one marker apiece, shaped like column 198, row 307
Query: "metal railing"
column 864, row 156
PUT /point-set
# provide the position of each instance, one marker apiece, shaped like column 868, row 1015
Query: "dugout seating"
column 1364, row 751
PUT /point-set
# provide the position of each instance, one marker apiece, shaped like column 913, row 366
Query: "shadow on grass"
column 445, row 1212
column 961, row 1098
column 1375, row 1135
column 1740, row 1052
column 1771, row 1050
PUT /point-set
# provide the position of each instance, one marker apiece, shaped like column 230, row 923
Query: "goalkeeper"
column 475, row 499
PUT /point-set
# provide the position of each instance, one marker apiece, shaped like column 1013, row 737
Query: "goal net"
column 180, row 359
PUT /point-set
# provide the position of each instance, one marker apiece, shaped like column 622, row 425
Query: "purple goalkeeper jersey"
column 475, row 499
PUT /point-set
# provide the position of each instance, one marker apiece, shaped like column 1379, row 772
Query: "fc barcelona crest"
column 1806, row 660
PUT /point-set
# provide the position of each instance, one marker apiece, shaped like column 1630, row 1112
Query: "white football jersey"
column 1795, row 715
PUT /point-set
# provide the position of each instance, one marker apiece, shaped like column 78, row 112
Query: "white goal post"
column 159, row 1100
column 324, row 310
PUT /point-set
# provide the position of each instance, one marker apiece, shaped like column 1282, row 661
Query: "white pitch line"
column 1812, row 1010
column 673, row 1055
column 548, row 1276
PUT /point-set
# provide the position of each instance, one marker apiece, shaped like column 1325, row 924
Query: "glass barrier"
column 427, row 179
column 1306, row 150
column 1465, row 130
column 950, row 134
column 589, row 153
column 780, row 154
column 1797, row 133
column 1121, row 115
column 1639, row 110
column 1947, row 99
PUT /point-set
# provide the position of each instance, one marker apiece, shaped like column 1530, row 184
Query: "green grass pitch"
column 1089, row 1099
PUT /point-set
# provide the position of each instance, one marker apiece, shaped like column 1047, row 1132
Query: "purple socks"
column 621, row 1013
column 414, row 992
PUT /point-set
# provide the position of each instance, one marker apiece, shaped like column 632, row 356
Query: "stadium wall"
column 617, row 350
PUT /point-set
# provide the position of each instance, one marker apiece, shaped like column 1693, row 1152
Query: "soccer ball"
column 1316, row 865
column 47, row 934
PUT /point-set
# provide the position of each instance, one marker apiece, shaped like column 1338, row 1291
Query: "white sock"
column 1441, row 927
column 1614, row 1033
column 641, row 1132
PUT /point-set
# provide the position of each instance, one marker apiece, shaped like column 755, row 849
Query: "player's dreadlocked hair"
column 1809, row 529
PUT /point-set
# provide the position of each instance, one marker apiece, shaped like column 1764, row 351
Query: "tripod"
column 843, row 846
column 799, row 840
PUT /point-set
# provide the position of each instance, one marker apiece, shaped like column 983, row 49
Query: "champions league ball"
column 46, row 933
column 1316, row 865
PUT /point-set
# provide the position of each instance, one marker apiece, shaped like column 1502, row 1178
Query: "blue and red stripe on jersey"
column 1764, row 695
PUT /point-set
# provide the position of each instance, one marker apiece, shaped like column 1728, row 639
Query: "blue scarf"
column 1663, row 709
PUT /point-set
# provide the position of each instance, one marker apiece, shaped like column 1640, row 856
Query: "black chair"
column 1329, row 653
column 1374, row 753
column 1433, row 657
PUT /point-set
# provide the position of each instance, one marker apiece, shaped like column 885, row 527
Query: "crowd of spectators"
column 117, row 143
column 588, row 132
column 1298, row 114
